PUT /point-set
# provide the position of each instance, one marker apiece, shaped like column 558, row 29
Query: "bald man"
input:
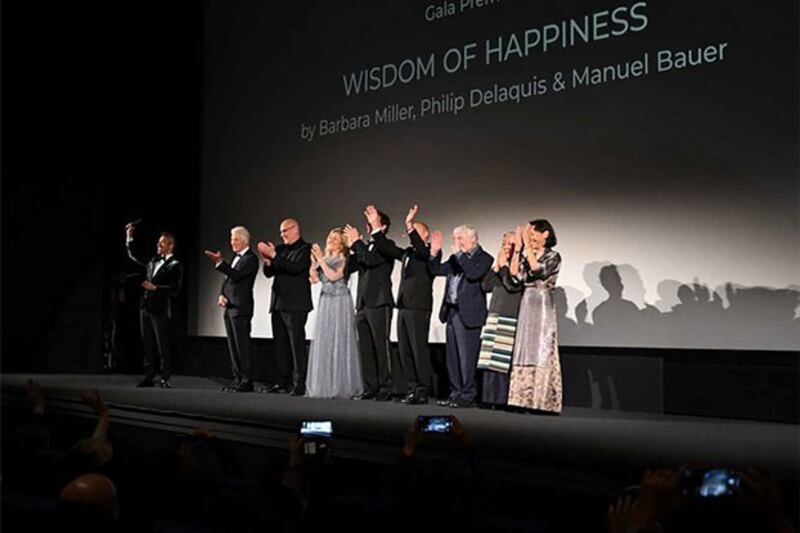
column 94, row 493
column 288, row 264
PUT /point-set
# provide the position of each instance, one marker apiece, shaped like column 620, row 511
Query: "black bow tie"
column 159, row 258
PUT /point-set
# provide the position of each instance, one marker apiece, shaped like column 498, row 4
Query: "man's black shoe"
column 165, row 384
column 276, row 388
column 298, row 391
column 146, row 383
column 447, row 403
column 464, row 404
column 366, row 395
column 418, row 399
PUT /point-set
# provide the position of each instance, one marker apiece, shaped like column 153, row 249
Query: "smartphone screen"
column 435, row 424
column 319, row 429
column 718, row 482
column 711, row 483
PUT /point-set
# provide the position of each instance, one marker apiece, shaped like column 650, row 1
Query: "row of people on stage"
column 513, row 343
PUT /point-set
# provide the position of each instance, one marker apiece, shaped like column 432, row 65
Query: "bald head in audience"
column 92, row 491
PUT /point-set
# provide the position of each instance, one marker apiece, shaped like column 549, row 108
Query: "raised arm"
column 387, row 247
column 421, row 250
column 129, row 229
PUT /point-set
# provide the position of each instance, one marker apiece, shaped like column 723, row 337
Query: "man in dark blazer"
column 412, row 373
column 374, row 303
column 463, row 309
column 236, row 297
column 163, row 282
column 288, row 265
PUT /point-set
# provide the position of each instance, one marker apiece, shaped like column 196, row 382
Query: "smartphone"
column 711, row 483
column 317, row 429
column 436, row 424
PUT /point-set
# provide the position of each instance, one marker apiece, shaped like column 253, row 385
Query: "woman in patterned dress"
column 535, row 368
column 497, row 337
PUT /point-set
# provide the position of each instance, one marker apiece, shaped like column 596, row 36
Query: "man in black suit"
column 236, row 297
column 412, row 373
column 288, row 264
column 163, row 282
column 463, row 309
column 374, row 304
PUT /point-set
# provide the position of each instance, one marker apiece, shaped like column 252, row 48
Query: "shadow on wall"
column 685, row 315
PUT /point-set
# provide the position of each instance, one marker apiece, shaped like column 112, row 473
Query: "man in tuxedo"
column 288, row 265
column 374, row 303
column 236, row 298
column 163, row 282
column 463, row 309
column 412, row 373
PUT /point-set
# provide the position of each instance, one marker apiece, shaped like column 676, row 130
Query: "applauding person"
column 536, row 369
column 236, row 298
column 463, row 309
column 374, row 303
column 333, row 366
column 412, row 373
column 287, row 264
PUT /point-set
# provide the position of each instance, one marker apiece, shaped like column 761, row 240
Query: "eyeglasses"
column 287, row 230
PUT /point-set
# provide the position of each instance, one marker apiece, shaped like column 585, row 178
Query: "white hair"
column 242, row 231
column 466, row 229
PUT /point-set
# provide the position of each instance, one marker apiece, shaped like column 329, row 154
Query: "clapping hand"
column 436, row 242
column 129, row 229
column 222, row 301
column 519, row 237
column 373, row 217
column 148, row 286
column 267, row 250
column 317, row 253
column 352, row 234
column 215, row 257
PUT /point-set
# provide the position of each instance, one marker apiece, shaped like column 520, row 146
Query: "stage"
column 598, row 450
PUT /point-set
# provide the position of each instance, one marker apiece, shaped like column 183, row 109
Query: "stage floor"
column 597, row 448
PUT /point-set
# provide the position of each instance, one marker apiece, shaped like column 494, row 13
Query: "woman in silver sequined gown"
column 334, row 370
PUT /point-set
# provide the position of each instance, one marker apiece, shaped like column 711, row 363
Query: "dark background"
column 101, row 124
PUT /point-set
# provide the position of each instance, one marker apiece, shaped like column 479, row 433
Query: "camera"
column 710, row 483
column 436, row 424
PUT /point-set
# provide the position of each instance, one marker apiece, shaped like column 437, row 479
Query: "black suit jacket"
column 238, row 284
column 168, row 281
column 416, row 279
column 471, row 296
column 374, row 275
column 291, row 289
